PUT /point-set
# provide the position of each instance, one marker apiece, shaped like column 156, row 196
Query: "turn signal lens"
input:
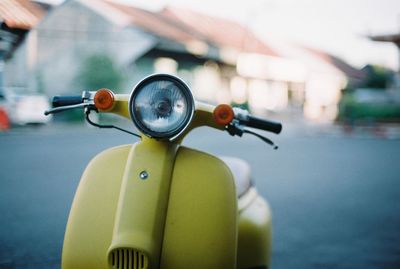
column 223, row 114
column 104, row 99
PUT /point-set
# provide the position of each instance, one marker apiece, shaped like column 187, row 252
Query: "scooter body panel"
column 90, row 224
column 254, row 233
column 201, row 223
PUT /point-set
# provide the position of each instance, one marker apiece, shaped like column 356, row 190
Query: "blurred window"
column 238, row 88
column 165, row 65
column 206, row 82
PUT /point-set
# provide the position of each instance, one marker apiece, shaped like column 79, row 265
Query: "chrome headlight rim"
column 169, row 135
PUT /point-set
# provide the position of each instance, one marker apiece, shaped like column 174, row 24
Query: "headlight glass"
column 161, row 106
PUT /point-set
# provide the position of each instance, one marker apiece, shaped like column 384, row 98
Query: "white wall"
column 63, row 40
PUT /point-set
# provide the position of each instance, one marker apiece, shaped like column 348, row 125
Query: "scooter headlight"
column 161, row 106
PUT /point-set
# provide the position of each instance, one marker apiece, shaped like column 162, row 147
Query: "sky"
column 339, row 27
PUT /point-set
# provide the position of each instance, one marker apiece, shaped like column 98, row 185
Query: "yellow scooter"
column 157, row 204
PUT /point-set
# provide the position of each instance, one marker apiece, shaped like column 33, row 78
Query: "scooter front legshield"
column 182, row 215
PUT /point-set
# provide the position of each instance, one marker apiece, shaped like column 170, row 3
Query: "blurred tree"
column 378, row 77
column 99, row 71
column 40, row 86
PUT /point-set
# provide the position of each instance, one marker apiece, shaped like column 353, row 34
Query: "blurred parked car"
column 4, row 122
column 24, row 107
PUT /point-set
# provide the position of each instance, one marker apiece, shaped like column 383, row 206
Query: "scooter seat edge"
column 241, row 174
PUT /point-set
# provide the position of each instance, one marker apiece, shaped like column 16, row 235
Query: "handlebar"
column 233, row 119
column 266, row 125
column 66, row 100
column 246, row 119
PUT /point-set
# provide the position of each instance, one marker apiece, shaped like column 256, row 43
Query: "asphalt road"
column 335, row 200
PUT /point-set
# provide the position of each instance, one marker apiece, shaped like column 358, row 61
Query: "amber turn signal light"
column 104, row 99
column 223, row 114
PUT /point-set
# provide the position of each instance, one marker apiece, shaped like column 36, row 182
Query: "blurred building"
column 17, row 17
column 222, row 60
column 312, row 80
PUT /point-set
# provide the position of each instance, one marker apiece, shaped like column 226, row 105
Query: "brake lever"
column 263, row 138
column 235, row 128
column 64, row 108
column 87, row 101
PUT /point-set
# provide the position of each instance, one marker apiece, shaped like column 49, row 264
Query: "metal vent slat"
column 127, row 258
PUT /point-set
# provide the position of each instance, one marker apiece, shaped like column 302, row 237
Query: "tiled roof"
column 154, row 23
column 220, row 31
column 347, row 69
column 186, row 26
column 395, row 38
column 20, row 14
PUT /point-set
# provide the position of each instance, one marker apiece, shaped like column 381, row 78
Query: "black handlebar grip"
column 66, row 100
column 266, row 125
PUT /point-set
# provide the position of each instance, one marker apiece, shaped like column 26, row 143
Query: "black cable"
column 107, row 126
